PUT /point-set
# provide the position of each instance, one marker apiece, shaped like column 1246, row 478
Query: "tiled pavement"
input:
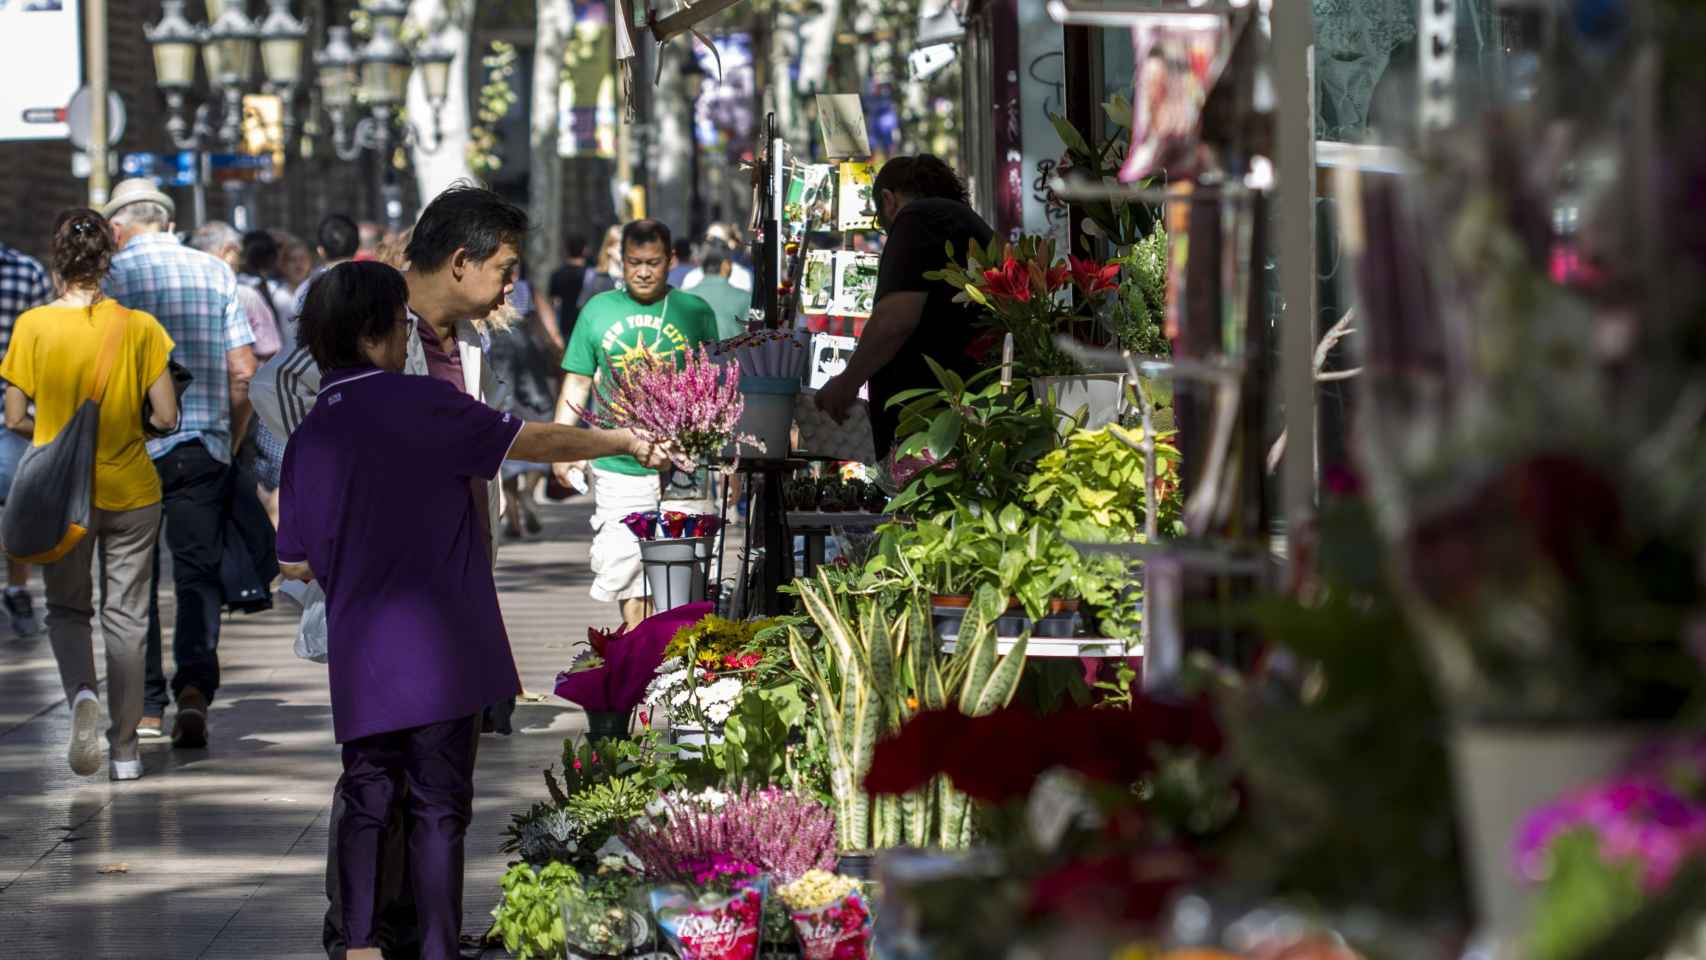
column 220, row 853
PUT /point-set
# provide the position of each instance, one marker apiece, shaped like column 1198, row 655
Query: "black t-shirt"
column 565, row 292
column 916, row 245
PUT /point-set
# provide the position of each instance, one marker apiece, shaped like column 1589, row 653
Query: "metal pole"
column 1294, row 57
column 95, row 33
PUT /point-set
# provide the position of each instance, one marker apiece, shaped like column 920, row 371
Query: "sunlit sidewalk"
column 220, row 853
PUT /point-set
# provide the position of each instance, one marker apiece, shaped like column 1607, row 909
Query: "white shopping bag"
column 311, row 632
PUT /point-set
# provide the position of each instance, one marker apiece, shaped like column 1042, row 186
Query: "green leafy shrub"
column 529, row 918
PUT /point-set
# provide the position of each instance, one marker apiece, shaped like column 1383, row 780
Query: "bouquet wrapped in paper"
column 830, row 916
column 719, row 923
column 612, row 677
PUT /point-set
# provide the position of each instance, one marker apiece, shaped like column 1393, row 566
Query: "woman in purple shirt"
column 377, row 506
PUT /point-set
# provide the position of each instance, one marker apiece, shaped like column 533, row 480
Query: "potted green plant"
column 979, row 441
column 801, row 493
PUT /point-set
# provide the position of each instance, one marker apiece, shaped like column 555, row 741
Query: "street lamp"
column 378, row 75
column 283, row 38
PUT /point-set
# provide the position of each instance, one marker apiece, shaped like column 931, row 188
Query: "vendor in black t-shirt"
column 922, row 204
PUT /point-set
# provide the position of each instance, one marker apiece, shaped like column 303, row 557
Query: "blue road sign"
column 165, row 169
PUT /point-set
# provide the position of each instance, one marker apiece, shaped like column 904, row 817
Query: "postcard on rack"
column 811, row 199
column 855, row 284
column 841, row 121
column 856, row 208
column 817, row 283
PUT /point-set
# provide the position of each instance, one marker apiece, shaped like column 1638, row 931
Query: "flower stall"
column 1464, row 722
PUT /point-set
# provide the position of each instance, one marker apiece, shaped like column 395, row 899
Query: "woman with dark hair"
column 56, row 360
column 415, row 638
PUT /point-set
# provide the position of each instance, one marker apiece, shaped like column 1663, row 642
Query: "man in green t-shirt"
column 644, row 318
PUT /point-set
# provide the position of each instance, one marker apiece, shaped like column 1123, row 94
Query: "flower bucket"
column 1102, row 396
column 1503, row 773
column 769, row 416
column 676, row 570
column 608, row 725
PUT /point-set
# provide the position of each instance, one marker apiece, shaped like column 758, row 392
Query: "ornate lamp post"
column 283, row 39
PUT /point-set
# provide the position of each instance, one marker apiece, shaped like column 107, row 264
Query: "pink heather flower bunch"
column 1653, row 817
column 778, row 832
column 694, row 403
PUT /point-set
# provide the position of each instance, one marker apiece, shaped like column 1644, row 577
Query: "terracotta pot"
column 1063, row 606
column 957, row 600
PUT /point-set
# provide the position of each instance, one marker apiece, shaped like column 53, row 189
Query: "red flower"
column 982, row 347
column 1011, row 281
column 1057, row 277
column 599, row 640
column 1092, row 277
column 1122, row 887
column 1111, row 746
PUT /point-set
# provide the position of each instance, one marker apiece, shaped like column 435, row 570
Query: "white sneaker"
column 85, row 751
column 126, row 769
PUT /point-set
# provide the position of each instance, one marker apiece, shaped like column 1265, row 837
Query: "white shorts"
column 615, row 556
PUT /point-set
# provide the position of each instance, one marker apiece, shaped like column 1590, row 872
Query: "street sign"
column 41, row 66
column 165, row 169
column 240, row 168
column 77, row 118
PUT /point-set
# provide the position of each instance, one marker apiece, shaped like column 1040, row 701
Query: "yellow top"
column 52, row 360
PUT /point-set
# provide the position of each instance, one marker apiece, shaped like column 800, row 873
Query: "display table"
column 1102, row 647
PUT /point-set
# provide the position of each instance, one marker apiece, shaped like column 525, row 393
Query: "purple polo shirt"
column 375, row 499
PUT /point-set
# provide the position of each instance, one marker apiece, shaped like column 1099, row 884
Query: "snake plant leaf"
column 819, row 601
column 879, row 647
column 978, row 631
column 1004, row 682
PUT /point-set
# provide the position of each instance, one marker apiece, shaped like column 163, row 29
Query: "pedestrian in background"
column 562, row 301
column 645, row 318
column 338, row 239
column 54, row 359
column 23, row 284
column 730, row 303
column 194, row 296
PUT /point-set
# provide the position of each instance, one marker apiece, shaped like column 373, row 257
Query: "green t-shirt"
column 613, row 329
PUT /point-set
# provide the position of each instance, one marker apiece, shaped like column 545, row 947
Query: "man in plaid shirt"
column 194, row 296
column 23, row 284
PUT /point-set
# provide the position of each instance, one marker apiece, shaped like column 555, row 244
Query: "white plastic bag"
column 311, row 632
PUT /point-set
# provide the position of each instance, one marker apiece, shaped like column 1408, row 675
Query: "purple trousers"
column 437, row 763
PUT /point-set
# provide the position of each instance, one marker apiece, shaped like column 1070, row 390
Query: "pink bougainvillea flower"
column 1011, row 281
column 1092, row 277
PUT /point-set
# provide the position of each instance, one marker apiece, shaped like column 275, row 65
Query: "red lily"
column 1092, row 277
column 1057, row 276
column 600, row 639
column 1011, row 281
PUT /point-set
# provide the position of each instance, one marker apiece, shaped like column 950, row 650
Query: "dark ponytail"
column 83, row 248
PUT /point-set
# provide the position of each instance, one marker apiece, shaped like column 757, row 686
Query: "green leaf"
column 1069, row 135
column 1004, row 681
column 1012, row 518
column 945, row 433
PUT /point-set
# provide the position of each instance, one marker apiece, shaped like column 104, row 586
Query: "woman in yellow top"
column 51, row 361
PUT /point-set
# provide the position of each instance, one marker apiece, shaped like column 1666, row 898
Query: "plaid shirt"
column 194, row 296
column 23, row 284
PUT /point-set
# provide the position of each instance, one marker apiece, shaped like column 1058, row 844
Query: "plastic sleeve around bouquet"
column 712, row 926
column 836, row 931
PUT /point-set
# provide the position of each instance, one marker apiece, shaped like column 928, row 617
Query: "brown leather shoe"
column 189, row 730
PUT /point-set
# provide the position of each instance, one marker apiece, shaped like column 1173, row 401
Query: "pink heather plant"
column 693, row 841
column 694, row 402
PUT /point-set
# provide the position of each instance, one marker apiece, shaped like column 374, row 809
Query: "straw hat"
column 137, row 190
